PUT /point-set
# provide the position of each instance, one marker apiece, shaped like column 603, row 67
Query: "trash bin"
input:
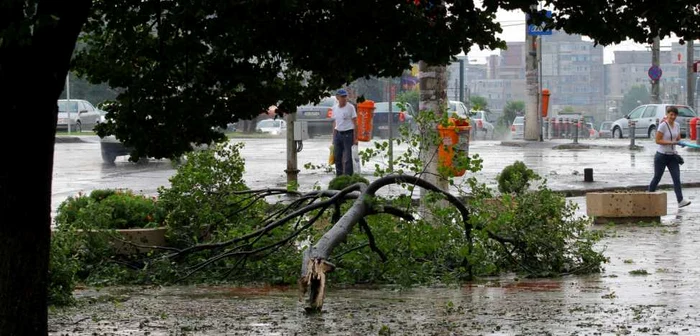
column 365, row 116
column 455, row 141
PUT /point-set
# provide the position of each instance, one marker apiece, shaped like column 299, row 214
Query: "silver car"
column 646, row 117
column 481, row 124
column 517, row 128
column 605, row 130
column 83, row 116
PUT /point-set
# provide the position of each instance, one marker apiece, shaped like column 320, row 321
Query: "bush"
column 204, row 202
column 63, row 266
column 515, row 178
column 344, row 181
column 545, row 237
column 109, row 209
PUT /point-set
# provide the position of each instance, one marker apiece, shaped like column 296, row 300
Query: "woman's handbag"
column 679, row 159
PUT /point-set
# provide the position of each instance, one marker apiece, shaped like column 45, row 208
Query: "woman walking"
column 667, row 137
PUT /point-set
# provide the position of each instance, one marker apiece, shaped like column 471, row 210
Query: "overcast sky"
column 513, row 23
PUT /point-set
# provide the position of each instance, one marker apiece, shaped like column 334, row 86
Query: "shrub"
column 109, row 209
column 546, row 238
column 203, row 202
column 344, row 181
column 63, row 266
column 515, row 178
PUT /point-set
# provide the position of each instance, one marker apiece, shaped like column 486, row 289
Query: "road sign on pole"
column 655, row 72
column 537, row 30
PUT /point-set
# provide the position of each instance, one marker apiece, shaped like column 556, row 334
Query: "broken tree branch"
column 370, row 239
column 300, row 212
column 315, row 264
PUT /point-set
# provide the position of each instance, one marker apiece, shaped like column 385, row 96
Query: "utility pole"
column 690, row 76
column 456, row 89
column 539, row 90
column 461, row 80
column 532, row 83
column 391, row 90
column 433, row 97
column 655, row 90
column 68, row 104
column 292, row 167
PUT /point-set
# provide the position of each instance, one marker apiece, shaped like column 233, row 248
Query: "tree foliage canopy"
column 479, row 103
column 186, row 67
column 510, row 111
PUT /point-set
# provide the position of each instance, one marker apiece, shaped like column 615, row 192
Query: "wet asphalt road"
column 78, row 166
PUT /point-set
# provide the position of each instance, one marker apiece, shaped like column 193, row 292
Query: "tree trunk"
column 433, row 97
column 34, row 69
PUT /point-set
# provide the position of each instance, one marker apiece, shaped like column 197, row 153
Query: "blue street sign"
column 655, row 72
column 538, row 30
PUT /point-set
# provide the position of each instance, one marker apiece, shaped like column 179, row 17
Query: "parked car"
column 517, row 129
column 380, row 122
column 646, row 116
column 457, row 107
column 592, row 132
column 83, row 115
column 605, row 130
column 318, row 116
column 111, row 148
column 478, row 119
column 481, row 124
column 272, row 126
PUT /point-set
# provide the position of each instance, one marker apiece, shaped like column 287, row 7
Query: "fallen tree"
column 316, row 258
column 315, row 264
column 219, row 229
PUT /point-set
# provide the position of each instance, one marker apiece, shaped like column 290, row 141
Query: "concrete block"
column 626, row 206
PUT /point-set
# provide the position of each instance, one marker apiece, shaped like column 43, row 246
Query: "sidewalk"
column 614, row 165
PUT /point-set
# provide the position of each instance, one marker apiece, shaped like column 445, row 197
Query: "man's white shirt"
column 343, row 117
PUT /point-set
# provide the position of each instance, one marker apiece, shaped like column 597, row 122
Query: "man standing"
column 344, row 135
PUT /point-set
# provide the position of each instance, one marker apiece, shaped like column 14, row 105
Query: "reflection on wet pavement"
column 79, row 167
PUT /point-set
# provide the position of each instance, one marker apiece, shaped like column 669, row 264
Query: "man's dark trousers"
column 342, row 144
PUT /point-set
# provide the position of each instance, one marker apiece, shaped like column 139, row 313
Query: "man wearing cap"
column 344, row 135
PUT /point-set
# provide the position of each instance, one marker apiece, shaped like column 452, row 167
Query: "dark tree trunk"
column 33, row 69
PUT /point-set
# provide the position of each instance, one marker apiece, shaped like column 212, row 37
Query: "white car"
column 517, row 129
column 83, row 115
column 271, row 126
column 478, row 119
column 459, row 108
column 646, row 117
column 481, row 124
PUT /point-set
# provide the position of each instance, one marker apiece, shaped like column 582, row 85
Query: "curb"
column 583, row 192
column 565, row 146
column 68, row 139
